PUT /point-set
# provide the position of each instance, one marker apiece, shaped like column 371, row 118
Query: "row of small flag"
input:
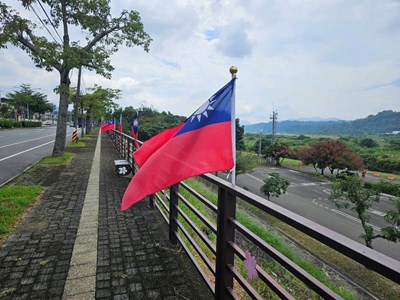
column 110, row 125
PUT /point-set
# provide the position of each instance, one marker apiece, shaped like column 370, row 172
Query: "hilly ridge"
column 386, row 121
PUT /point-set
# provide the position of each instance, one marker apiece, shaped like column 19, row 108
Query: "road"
column 309, row 197
column 21, row 147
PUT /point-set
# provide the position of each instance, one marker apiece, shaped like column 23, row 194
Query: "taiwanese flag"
column 108, row 126
column 202, row 144
column 120, row 123
column 135, row 129
column 153, row 144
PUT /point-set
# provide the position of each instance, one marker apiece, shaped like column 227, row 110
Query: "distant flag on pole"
column 201, row 144
column 135, row 129
column 120, row 123
column 108, row 126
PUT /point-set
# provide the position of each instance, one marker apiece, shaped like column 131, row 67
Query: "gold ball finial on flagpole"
column 233, row 71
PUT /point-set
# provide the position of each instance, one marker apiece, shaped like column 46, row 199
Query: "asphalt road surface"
column 309, row 197
column 22, row 147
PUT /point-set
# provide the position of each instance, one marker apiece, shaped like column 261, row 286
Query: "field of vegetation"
column 379, row 153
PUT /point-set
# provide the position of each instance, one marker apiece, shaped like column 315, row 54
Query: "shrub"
column 9, row 123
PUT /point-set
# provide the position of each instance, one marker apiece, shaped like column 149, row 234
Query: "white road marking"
column 255, row 178
column 30, row 149
column 294, row 171
column 23, row 133
column 353, row 218
column 26, row 141
column 377, row 212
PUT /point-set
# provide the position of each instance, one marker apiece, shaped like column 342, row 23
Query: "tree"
column 369, row 143
column 98, row 103
column 330, row 154
column 278, row 152
column 28, row 102
column 239, row 135
column 245, row 162
column 265, row 142
column 104, row 35
column 349, row 193
column 275, row 185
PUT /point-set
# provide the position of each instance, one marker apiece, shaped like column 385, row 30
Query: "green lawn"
column 14, row 201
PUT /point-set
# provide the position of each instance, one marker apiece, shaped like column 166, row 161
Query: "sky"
column 304, row 59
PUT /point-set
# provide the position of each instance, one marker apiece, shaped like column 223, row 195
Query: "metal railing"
column 212, row 236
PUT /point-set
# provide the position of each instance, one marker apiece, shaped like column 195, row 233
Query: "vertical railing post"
column 151, row 201
column 173, row 214
column 225, row 233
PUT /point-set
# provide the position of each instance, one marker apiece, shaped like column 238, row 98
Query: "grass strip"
column 55, row 160
column 14, row 200
column 85, row 138
column 77, row 145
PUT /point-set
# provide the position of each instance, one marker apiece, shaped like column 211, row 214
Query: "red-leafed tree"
column 330, row 154
column 278, row 152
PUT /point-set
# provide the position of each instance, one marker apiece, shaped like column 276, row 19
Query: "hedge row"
column 386, row 165
column 9, row 123
column 384, row 187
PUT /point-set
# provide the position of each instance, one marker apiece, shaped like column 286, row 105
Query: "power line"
column 41, row 21
column 48, row 18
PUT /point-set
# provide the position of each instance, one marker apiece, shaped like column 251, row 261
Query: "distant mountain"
column 315, row 119
column 384, row 122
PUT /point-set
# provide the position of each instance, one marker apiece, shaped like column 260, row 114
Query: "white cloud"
column 303, row 58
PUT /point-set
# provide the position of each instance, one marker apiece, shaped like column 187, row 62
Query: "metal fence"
column 214, row 239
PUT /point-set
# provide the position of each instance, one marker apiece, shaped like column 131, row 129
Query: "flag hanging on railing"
column 120, row 123
column 202, row 144
column 108, row 126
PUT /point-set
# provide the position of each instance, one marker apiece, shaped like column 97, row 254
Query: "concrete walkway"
column 75, row 243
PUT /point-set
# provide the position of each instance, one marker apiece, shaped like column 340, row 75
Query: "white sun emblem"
column 202, row 110
column 135, row 123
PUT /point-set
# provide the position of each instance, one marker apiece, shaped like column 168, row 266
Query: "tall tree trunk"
column 61, row 131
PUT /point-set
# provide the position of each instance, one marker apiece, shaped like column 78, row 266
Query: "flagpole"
column 233, row 70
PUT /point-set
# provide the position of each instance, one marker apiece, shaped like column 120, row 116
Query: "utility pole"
column 274, row 117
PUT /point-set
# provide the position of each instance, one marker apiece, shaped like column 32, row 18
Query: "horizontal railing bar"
column 161, row 211
column 232, row 293
column 198, row 214
column 264, row 276
column 198, row 267
column 204, row 257
column 203, row 237
column 162, row 202
column 302, row 275
column 386, row 266
column 203, row 199
column 244, row 284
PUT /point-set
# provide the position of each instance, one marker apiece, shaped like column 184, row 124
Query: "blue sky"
column 305, row 59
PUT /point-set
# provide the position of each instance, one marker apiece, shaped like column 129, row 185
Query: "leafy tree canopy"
column 349, row 193
column 275, row 185
column 27, row 100
column 102, row 33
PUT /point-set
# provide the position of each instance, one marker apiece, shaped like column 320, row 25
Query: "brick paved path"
column 134, row 257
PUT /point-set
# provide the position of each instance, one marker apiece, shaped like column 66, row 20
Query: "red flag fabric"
column 202, row 144
column 108, row 126
column 153, row 144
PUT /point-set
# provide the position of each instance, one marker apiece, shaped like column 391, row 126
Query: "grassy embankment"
column 294, row 286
